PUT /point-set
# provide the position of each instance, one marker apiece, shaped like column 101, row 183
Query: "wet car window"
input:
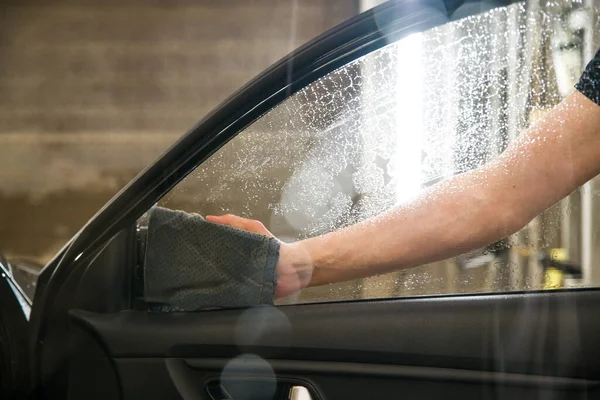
column 378, row 131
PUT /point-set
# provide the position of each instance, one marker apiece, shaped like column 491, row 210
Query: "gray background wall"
column 92, row 90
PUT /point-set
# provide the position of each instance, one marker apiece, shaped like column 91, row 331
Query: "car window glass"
column 378, row 131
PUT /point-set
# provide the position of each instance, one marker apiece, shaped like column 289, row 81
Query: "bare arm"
column 549, row 161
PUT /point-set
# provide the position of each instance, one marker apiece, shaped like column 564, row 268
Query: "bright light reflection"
column 409, row 123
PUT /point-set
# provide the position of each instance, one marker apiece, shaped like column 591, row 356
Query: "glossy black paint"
column 14, row 344
column 9, row 281
column 335, row 48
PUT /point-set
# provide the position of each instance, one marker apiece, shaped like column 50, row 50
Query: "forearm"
column 470, row 210
column 442, row 223
column 465, row 212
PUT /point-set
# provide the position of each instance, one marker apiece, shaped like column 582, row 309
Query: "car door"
column 355, row 122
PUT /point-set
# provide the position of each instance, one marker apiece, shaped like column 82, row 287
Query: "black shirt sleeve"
column 589, row 83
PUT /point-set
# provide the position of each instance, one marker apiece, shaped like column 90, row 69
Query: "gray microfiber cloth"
column 192, row 264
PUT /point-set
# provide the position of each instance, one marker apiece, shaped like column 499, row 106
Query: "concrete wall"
column 92, row 90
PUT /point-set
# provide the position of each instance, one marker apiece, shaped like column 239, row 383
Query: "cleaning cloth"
column 191, row 264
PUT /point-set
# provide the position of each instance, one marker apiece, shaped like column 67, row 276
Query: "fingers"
column 250, row 225
column 227, row 219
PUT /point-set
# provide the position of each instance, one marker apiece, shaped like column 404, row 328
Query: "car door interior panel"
column 520, row 345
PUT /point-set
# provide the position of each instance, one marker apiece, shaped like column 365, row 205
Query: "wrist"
column 314, row 252
column 294, row 269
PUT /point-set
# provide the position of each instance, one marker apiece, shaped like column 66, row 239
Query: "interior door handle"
column 299, row 393
column 218, row 392
column 190, row 387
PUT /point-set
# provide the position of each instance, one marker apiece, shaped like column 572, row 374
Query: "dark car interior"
column 517, row 345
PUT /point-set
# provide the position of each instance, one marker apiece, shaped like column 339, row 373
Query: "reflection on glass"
column 409, row 124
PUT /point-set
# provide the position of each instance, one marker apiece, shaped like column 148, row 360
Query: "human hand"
column 294, row 267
